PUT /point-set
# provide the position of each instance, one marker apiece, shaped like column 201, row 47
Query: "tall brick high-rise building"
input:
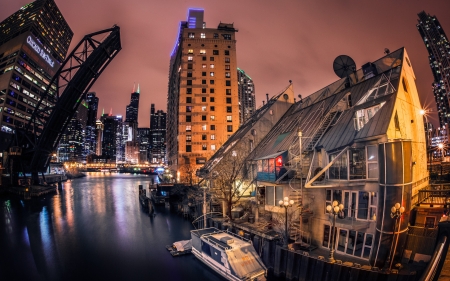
column 203, row 102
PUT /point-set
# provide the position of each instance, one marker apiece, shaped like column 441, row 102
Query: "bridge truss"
column 57, row 105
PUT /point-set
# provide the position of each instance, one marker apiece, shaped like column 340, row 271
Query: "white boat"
column 230, row 255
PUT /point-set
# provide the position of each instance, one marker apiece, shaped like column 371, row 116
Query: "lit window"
column 191, row 51
column 227, row 67
column 213, row 117
column 203, row 108
column 211, row 66
column 188, row 128
column 227, row 74
column 211, row 74
column 227, row 60
column 188, row 138
column 204, row 146
column 228, row 91
column 204, row 127
column 202, row 52
column 213, row 137
column 213, row 147
column 190, row 58
column 229, row 118
column 203, row 65
column 191, row 35
column 202, row 35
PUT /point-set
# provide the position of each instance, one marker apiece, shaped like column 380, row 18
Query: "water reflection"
column 94, row 229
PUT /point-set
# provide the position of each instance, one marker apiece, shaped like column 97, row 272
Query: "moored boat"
column 180, row 248
column 230, row 255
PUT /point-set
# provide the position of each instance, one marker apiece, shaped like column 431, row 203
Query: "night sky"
column 277, row 41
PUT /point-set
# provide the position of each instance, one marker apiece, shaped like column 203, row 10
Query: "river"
column 93, row 229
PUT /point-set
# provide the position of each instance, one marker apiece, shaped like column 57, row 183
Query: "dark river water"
column 93, row 229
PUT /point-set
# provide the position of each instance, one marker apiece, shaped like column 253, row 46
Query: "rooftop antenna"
column 343, row 66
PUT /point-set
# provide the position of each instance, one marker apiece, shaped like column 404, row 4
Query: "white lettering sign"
column 40, row 51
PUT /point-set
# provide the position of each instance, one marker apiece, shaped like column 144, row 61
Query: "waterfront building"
column 202, row 104
column 72, row 144
column 33, row 44
column 359, row 141
column 112, row 137
column 157, row 136
column 143, row 138
column 130, row 127
column 99, row 136
column 438, row 47
column 91, row 136
column 246, row 92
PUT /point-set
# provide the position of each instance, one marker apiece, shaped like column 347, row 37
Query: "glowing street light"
column 334, row 209
column 286, row 203
column 396, row 213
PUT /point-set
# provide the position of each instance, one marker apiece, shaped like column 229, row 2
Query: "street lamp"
column 396, row 213
column 286, row 203
column 334, row 209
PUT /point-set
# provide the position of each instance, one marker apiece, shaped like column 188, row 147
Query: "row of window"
column 212, row 117
column 191, row 58
column 225, row 36
column 215, row 52
column 227, row 74
column 204, row 137
column 211, row 91
column 211, row 127
column 227, row 82
column 211, row 108
column 211, row 99
column 204, row 147
column 190, row 66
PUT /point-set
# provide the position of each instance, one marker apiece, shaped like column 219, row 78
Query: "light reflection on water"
column 94, row 229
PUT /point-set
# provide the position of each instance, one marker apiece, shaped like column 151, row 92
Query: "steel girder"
column 75, row 77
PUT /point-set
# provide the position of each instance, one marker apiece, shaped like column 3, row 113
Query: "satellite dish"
column 343, row 66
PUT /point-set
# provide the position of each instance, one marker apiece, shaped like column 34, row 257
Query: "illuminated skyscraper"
column 438, row 49
column 91, row 137
column 33, row 43
column 246, row 90
column 157, row 142
column 202, row 106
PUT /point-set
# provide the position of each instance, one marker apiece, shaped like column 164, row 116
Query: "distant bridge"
column 35, row 142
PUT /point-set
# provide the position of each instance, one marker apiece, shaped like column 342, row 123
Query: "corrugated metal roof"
column 310, row 115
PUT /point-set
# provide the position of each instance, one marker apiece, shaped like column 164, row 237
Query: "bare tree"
column 230, row 180
column 187, row 172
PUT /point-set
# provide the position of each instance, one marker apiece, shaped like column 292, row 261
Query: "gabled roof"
column 326, row 117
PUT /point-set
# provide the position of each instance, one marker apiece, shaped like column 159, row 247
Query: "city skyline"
column 293, row 42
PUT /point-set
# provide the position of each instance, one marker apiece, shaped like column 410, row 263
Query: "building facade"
column 72, row 146
column 33, row 44
column 157, row 136
column 361, row 144
column 90, row 132
column 202, row 104
column 438, row 48
column 246, row 91
column 143, row 138
column 112, row 143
